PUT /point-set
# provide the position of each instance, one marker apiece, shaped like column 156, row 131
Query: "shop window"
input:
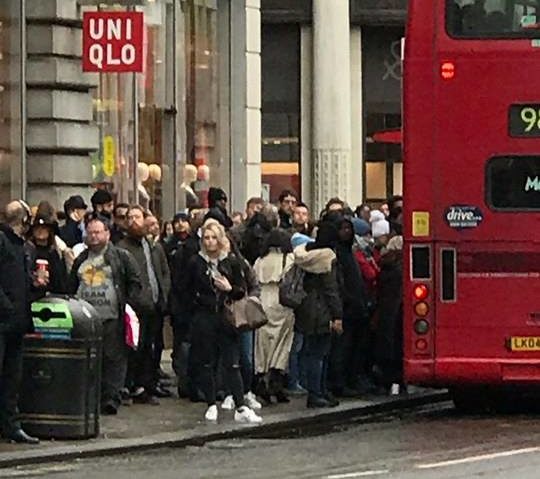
column 280, row 109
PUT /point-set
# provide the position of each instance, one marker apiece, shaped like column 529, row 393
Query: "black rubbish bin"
column 60, row 393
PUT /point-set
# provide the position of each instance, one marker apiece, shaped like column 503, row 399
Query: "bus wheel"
column 469, row 400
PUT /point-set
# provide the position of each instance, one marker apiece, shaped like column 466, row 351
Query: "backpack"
column 291, row 288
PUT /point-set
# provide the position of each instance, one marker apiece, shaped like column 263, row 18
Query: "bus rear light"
column 421, row 309
column 421, row 326
column 448, row 70
column 421, row 344
column 420, row 291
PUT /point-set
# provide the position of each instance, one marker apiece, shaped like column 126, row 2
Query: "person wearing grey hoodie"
column 321, row 312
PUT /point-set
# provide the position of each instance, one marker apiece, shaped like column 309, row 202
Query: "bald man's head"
column 16, row 213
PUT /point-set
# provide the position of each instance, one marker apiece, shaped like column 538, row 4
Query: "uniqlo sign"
column 113, row 41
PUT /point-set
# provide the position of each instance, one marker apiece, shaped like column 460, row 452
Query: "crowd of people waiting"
column 343, row 339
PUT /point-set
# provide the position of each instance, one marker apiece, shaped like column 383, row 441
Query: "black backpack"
column 291, row 288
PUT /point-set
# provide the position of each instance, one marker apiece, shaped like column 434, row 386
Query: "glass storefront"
column 10, row 101
column 142, row 116
column 280, row 109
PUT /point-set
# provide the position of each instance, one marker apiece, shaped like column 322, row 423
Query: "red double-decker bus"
column 472, row 195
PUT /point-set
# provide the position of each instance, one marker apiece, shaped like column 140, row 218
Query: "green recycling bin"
column 60, row 393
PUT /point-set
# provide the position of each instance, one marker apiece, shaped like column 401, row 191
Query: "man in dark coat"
column 217, row 202
column 349, row 351
column 287, row 202
column 108, row 278
column 71, row 232
column 16, row 266
column 181, row 248
column 155, row 280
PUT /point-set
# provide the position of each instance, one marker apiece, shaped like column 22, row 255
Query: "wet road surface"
column 431, row 442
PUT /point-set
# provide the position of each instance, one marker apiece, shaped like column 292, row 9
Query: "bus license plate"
column 525, row 343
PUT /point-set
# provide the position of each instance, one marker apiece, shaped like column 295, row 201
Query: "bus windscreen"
column 478, row 19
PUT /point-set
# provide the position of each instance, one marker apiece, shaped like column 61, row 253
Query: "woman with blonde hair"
column 215, row 276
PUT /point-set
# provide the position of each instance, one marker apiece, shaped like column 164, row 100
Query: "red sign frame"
column 113, row 42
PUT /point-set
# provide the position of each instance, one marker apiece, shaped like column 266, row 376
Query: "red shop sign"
column 113, row 41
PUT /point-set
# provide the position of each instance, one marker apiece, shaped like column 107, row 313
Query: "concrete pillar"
column 306, row 109
column 60, row 131
column 357, row 121
column 245, row 101
column 331, row 101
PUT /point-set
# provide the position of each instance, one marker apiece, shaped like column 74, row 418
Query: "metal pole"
column 22, row 48
column 135, row 100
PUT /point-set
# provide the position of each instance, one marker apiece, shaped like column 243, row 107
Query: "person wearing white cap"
column 380, row 228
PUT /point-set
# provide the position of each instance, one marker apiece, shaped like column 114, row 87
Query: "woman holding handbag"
column 215, row 277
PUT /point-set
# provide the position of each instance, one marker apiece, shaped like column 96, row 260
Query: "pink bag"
column 132, row 327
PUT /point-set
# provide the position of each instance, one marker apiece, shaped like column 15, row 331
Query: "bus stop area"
column 179, row 422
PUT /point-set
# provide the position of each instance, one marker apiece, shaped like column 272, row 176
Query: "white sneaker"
column 228, row 403
column 394, row 390
column 211, row 413
column 251, row 401
column 246, row 415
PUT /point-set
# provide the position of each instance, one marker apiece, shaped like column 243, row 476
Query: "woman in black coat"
column 215, row 276
column 389, row 332
column 42, row 236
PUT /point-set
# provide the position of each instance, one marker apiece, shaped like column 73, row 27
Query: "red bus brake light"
column 448, row 70
column 420, row 291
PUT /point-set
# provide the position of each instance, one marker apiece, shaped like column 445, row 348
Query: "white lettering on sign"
column 113, row 41
column 532, row 184
column 112, row 27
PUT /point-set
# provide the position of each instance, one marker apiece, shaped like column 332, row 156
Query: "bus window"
column 493, row 18
column 513, row 183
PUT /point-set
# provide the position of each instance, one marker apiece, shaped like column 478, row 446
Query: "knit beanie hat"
column 361, row 227
column 299, row 239
column 215, row 195
column 379, row 225
column 327, row 236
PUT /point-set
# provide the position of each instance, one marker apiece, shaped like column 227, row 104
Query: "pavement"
column 177, row 422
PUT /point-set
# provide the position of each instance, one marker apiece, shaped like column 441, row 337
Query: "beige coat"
column 273, row 341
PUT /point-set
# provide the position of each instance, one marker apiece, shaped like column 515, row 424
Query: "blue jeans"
column 296, row 373
column 246, row 359
column 316, row 351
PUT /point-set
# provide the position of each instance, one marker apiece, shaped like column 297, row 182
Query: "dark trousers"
column 115, row 362
column 181, row 356
column 316, row 350
column 212, row 341
column 348, row 356
column 159, row 343
column 11, row 347
column 141, row 370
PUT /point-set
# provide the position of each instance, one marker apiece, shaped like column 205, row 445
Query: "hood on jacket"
column 317, row 261
column 327, row 236
column 206, row 258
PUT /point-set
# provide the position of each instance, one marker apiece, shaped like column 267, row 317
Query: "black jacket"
column 179, row 254
column 389, row 336
column 323, row 302
column 202, row 294
column 285, row 220
column 126, row 276
column 16, row 266
column 57, row 270
column 351, row 284
column 71, row 233
column 161, row 270
column 219, row 214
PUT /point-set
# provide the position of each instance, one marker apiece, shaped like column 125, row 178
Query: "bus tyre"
column 469, row 400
